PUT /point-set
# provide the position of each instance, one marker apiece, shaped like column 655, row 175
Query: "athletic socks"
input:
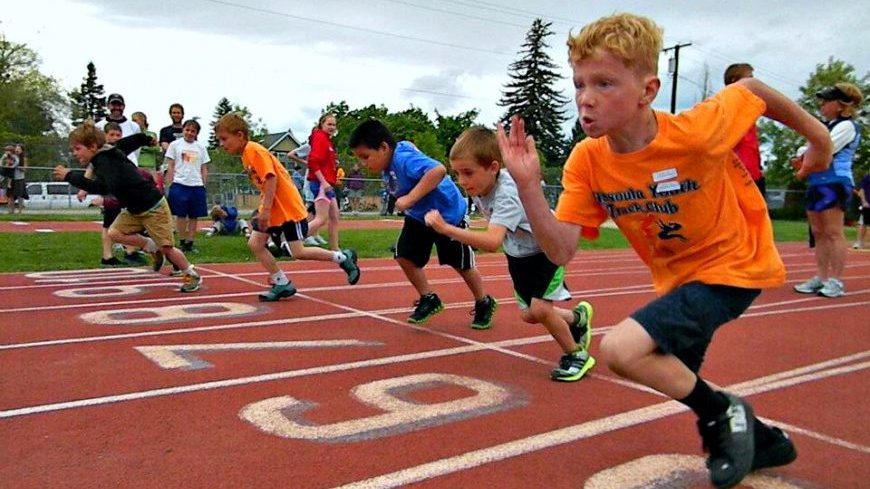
column 338, row 256
column 704, row 401
column 150, row 246
column 279, row 278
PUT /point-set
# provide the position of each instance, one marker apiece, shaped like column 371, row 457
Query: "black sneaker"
column 428, row 306
column 730, row 441
column 483, row 312
column 134, row 259
column 350, row 267
column 157, row 260
column 573, row 366
column 778, row 451
column 112, row 263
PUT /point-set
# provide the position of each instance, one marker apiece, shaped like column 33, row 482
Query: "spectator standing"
column 116, row 114
column 187, row 176
column 322, row 178
column 747, row 148
column 355, row 185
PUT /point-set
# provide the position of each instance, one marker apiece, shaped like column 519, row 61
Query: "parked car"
column 55, row 195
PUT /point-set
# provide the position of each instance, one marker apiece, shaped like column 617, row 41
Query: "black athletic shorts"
column 536, row 277
column 416, row 240
column 109, row 216
column 682, row 322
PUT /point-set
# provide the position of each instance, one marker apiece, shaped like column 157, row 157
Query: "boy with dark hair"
column 144, row 205
column 423, row 185
column 186, row 178
column 281, row 213
column 674, row 187
column 476, row 160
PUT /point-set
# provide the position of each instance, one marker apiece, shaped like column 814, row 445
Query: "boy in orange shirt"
column 674, row 187
column 281, row 214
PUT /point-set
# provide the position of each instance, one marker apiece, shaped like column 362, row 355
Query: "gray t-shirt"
column 502, row 206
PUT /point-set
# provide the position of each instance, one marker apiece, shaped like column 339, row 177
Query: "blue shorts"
column 314, row 186
column 827, row 196
column 185, row 201
column 682, row 322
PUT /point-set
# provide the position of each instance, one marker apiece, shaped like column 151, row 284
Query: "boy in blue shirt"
column 422, row 186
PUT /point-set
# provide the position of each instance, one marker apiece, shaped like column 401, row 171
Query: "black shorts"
column 109, row 216
column 536, row 277
column 415, row 244
column 865, row 216
column 288, row 232
column 682, row 322
column 823, row 197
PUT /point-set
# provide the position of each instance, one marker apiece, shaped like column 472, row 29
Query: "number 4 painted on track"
column 182, row 356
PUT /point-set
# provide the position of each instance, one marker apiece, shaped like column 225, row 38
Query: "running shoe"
column 350, row 267
column 811, row 286
column 730, row 441
column 277, row 292
column 833, row 288
column 192, row 282
column 426, row 307
column 581, row 327
column 573, row 366
column 483, row 312
column 778, row 451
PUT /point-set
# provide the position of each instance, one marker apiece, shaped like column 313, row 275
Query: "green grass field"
column 28, row 252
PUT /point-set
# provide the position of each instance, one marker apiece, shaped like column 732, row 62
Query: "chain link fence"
column 236, row 189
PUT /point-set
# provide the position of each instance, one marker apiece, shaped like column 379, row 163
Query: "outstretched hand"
column 60, row 172
column 434, row 220
column 518, row 152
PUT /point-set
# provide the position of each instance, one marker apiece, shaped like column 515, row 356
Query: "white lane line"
column 790, row 428
column 560, row 436
column 336, row 316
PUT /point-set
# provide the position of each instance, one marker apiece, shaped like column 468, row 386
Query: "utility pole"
column 674, row 69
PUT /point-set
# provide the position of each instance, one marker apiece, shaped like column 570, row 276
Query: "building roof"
column 281, row 141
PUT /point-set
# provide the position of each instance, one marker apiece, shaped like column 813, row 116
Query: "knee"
column 613, row 355
column 528, row 317
column 113, row 234
column 537, row 311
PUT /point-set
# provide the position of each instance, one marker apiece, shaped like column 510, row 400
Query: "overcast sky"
column 286, row 60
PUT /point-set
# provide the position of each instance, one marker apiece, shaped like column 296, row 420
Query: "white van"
column 54, row 195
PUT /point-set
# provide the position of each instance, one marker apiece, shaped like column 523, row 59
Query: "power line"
column 457, row 14
column 355, row 28
column 503, row 9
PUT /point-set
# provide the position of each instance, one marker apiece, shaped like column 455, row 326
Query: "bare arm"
column 781, row 108
column 488, row 240
column 203, row 170
column 430, row 180
column 170, row 172
column 558, row 239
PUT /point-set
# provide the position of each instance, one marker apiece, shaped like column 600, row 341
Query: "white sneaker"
column 811, row 286
column 320, row 240
column 310, row 241
column 833, row 288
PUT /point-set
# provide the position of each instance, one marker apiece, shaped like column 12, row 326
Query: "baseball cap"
column 833, row 93
column 115, row 97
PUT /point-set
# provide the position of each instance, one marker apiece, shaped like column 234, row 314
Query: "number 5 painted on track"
column 284, row 416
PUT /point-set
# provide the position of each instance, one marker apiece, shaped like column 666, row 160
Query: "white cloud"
column 286, row 60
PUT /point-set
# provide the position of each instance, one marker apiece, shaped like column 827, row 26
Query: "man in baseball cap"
column 115, row 103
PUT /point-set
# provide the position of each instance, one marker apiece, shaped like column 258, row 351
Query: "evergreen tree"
column 88, row 101
column 531, row 95
column 223, row 108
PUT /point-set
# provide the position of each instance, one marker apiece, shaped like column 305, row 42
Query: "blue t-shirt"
column 231, row 220
column 409, row 165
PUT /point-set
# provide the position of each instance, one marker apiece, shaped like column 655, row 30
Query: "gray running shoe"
column 833, row 288
column 811, row 286
column 192, row 282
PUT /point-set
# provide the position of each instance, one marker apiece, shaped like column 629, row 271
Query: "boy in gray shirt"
column 476, row 160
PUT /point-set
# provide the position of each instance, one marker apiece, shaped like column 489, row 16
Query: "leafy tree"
column 32, row 106
column 450, row 127
column 782, row 143
column 88, row 101
column 530, row 94
column 224, row 107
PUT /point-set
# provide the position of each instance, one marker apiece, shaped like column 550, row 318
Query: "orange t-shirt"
column 685, row 202
column 287, row 205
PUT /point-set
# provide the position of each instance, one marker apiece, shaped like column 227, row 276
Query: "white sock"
column 191, row 271
column 279, row 278
column 338, row 257
column 150, row 245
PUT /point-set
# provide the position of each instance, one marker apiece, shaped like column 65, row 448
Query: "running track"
column 111, row 378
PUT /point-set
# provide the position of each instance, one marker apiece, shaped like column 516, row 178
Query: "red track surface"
column 82, row 407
